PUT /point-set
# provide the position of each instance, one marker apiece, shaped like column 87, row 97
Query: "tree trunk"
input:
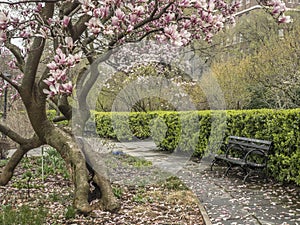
column 83, row 173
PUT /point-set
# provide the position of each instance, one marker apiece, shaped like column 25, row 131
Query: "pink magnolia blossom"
column 115, row 21
column 38, row 8
column 60, row 57
column 3, row 20
column 69, row 42
column 3, row 36
column 139, row 11
column 66, row 21
column 49, row 81
column 67, row 87
column 87, row 5
column 52, row 66
column 95, row 25
column 53, row 90
column 12, row 64
column 120, row 14
column 285, row 19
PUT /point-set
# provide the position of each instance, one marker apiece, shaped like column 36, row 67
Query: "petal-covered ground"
column 37, row 196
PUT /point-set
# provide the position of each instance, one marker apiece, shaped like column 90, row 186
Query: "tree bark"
column 73, row 153
column 7, row 172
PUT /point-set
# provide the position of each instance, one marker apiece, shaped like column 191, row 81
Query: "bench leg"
column 227, row 170
column 266, row 175
column 247, row 175
column 212, row 164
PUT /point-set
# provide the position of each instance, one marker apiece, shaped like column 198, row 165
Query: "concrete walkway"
column 226, row 199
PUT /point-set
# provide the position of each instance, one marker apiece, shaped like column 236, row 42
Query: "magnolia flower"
column 67, row 87
column 12, row 64
column 3, row 20
column 86, row 5
column 3, row 36
column 120, row 14
column 285, row 19
column 101, row 12
column 53, row 90
column 52, row 66
column 169, row 17
column 139, row 11
column 94, row 25
column 69, row 42
column 49, row 81
column 59, row 75
column 184, row 3
column 60, row 57
column 115, row 21
column 66, row 21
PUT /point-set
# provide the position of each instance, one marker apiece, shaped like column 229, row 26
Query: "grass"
column 136, row 162
column 22, row 215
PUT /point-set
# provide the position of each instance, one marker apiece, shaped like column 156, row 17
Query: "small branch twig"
column 15, row 86
column 29, row 1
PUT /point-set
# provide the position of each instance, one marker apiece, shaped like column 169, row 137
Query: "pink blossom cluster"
column 277, row 9
column 176, row 21
column 18, row 25
column 59, row 81
column 4, row 22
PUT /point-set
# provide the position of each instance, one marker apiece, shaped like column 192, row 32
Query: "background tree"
column 260, row 68
column 86, row 29
column 151, row 87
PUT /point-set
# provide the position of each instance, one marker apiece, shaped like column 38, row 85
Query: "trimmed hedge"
column 193, row 131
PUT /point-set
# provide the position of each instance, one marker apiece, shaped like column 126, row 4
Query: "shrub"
column 198, row 132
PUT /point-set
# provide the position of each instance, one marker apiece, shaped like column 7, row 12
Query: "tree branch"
column 69, row 8
column 151, row 18
column 12, row 135
column 15, row 50
column 78, row 29
column 59, row 119
column 7, row 172
column 14, row 85
column 35, row 54
column 64, row 107
column 30, row 1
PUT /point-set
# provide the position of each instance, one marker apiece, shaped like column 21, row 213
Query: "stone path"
column 226, row 199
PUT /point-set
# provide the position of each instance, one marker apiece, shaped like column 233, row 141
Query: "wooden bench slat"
column 251, row 140
column 251, row 145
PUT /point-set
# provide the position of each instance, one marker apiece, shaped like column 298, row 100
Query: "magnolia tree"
column 47, row 39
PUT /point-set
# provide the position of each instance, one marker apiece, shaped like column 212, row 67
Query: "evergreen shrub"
column 202, row 131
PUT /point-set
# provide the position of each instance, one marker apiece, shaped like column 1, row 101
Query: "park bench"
column 247, row 153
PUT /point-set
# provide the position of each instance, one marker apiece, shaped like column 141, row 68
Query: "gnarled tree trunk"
column 71, row 151
column 82, row 173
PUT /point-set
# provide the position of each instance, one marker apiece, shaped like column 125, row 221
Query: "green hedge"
column 193, row 131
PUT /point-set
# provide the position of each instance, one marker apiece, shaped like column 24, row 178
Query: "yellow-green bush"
column 193, row 131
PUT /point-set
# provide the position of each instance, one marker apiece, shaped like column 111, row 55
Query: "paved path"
column 226, row 199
